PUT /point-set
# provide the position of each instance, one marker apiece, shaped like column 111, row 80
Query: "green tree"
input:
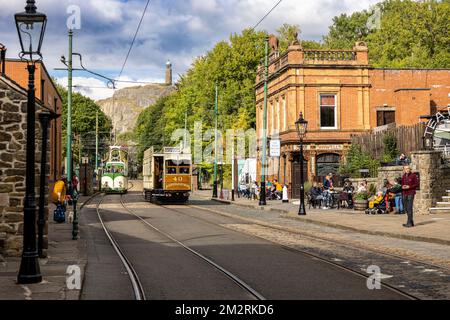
column 410, row 33
column 346, row 30
column 83, row 124
column 390, row 147
column 286, row 34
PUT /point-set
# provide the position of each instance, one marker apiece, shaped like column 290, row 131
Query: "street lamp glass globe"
column 30, row 28
column 302, row 126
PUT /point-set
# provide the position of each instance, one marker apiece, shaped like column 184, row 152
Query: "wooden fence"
column 409, row 139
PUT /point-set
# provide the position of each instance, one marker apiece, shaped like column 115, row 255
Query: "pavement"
column 62, row 253
column 429, row 228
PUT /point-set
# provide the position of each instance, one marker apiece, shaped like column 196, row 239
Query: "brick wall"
column 13, row 103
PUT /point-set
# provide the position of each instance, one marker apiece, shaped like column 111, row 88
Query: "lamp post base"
column 302, row 211
column 215, row 189
column 29, row 269
column 262, row 195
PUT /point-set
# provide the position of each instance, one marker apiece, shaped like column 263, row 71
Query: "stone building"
column 49, row 97
column 13, row 104
column 340, row 94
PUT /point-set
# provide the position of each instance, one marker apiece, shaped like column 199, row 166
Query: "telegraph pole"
column 96, row 141
column 262, row 198
column 216, row 114
column 69, row 115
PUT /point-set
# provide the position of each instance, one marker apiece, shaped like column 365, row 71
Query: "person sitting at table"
column 277, row 189
column 362, row 187
column 316, row 195
column 346, row 197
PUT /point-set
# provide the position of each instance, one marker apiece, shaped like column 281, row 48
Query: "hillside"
column 126, row 105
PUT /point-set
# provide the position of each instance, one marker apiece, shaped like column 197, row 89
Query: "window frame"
column 335, row 106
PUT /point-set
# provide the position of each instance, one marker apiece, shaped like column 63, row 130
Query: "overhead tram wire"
column 134, row 39
column 126, row 60
column 267, row 14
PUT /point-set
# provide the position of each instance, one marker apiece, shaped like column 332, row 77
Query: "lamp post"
column 302, row 126
column 31, row 28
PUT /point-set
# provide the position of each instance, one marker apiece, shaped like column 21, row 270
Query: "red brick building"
column 340, row 94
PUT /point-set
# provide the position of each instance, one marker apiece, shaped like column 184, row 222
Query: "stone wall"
column 434, row 179
column 390, row 173
column 13, row 104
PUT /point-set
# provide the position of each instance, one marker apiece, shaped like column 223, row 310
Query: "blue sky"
column 179, row 30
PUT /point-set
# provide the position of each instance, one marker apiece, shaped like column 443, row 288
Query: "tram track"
column 219, row 268
column 322, row 239
column 136, row 284
column 291, row 249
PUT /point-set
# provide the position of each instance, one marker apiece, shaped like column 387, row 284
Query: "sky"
column 175, row 30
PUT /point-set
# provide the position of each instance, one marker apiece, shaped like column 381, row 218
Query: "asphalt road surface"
column 168, row 271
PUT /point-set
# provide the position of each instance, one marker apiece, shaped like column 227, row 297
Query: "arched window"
column 328, row 163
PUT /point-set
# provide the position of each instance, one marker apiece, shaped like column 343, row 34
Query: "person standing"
column 410, row 182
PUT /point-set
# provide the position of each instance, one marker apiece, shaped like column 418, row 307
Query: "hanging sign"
column 275, row 148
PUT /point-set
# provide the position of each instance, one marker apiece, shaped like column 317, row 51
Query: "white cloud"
column 97, row 89
column 178, row 30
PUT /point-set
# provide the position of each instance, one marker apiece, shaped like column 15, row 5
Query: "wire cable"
column 134, row 39
column 267, row 14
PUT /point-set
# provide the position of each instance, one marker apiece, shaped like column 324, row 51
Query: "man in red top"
column 410, row 182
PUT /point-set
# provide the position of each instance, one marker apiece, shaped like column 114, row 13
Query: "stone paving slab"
column 433, row 228
column 62, row 252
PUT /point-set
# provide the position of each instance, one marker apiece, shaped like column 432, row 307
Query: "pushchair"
column 378, row 206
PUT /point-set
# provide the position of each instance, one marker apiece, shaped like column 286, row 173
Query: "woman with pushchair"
column 396, row 190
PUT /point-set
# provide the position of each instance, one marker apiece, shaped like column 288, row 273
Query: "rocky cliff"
column 126, row 105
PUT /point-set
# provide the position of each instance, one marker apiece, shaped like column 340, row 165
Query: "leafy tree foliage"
column 83, row 124
column 358, row 159
column 232, row 65
column 410, row 33
column 286, row 34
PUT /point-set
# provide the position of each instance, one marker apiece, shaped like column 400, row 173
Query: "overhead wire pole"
column 69, row 114
column 216, row 114
column 96, row 140
column 262, row 198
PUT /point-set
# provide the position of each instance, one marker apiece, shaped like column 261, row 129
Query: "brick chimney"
column 168, row 73
column 2, row 59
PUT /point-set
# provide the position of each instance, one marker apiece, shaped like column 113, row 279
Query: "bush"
column 372, row 189
column 308, row 187
column 362, row 196
column 390, row 148
column 356, row 160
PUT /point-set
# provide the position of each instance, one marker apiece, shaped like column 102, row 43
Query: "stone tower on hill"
column 168, row 73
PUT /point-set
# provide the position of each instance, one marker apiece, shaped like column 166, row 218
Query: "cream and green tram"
column 115, row 172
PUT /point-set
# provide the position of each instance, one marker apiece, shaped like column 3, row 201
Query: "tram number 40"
column 177, row 179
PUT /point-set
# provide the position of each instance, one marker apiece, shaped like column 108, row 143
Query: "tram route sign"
column 84, row 160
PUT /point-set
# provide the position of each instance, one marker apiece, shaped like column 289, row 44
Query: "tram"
column 167, row 175
column 115, row 172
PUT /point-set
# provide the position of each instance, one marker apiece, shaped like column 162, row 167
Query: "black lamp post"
column 30, row 27
column 302, row 126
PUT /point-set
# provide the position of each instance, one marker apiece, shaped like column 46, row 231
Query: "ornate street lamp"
column 302, row 126
column 30, row 27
